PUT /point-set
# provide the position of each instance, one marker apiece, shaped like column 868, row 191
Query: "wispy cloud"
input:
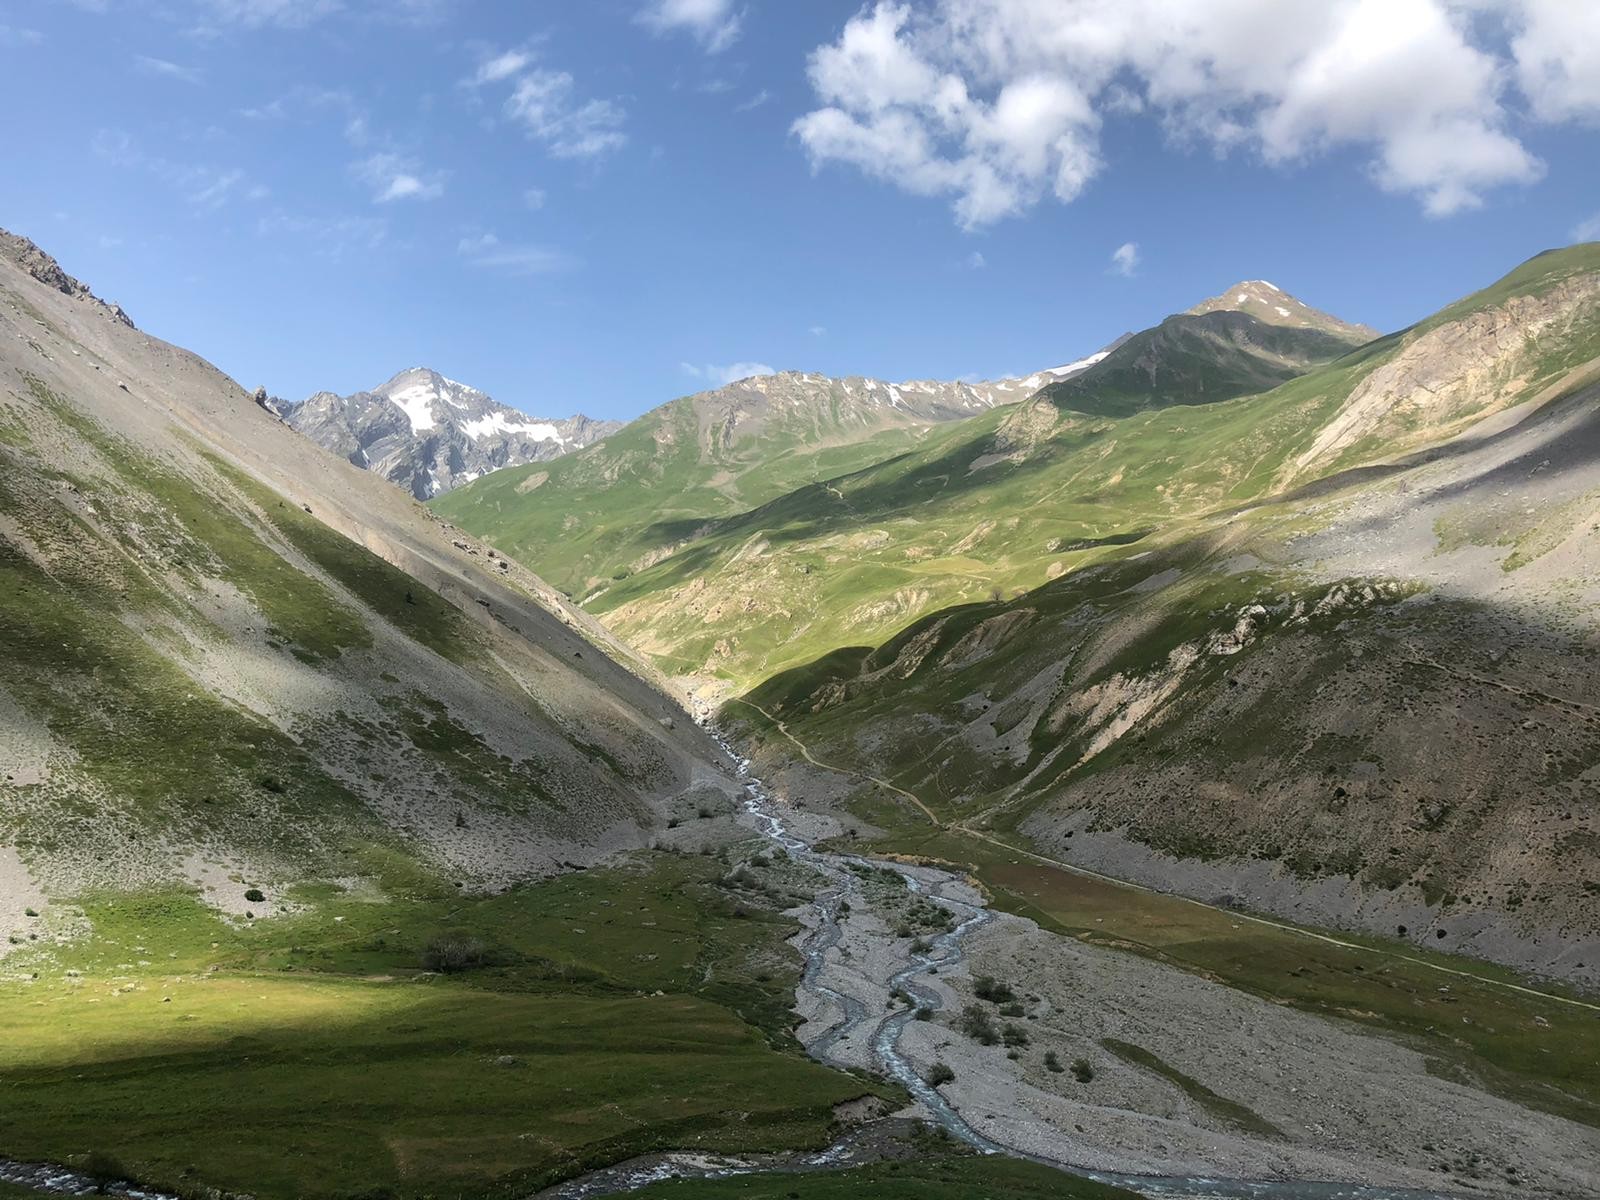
column 818, row 331
column 976, row 261
column 329, row 237
column 715, row 24
column 754, row 102
column 534, row 198
column 489, row 252
column 397, row 177
column 546, row 105
column 721, row 376
column 201, row 185
column 1125, row 259
column 13, row 38
column 1587, row 231
column 502, row 66
column 162, row 69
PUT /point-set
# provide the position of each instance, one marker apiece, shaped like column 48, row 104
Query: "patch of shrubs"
column 1052, row 1062
column 454, row 951
column 940, row 1074
column 991, row 989
column 255, row 896
column 977, row 1024
column 1081, row 1070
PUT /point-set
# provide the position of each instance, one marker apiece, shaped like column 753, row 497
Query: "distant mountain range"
column 635, row 496
column 430, row 434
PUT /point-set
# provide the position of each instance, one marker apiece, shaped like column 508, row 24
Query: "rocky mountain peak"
column 430, row 433
column 1271, row 305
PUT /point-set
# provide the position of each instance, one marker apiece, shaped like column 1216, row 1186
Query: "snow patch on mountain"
column 429, row 434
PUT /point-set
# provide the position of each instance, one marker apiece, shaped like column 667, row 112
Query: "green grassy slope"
column 1190, row 359
column 596, row 515
column 1010, row 499
column 617, row 1012
column 1384, row 686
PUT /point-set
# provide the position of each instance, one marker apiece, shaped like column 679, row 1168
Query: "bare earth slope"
column 225, row 652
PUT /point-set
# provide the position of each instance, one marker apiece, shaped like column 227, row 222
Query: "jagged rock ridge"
column 429, row 434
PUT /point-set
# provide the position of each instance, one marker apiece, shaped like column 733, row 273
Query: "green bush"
column 454, row 951
column 977, row 1024
column 990, row 989
column 940, row 1074
column 1081, row 1070
column 255, row 896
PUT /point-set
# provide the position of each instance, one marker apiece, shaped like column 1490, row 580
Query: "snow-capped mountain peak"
column 429, row 433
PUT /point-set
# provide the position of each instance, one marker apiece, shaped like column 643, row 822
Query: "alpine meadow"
column 838, row 663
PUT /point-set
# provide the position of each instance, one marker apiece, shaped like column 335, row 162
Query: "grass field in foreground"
column 1539, row 1052
column 939, row 1178
column 308, row 1056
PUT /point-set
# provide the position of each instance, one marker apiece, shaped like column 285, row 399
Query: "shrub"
column 1081, row 1070
column 255, row 896
column 922, row 1014
column 1014, row 1035
column 30, row 912
column 1052, row 1062
column 987, row 987
column 105, row 1169
column 976, row 1023
column 940, row 1074
column 454, row 951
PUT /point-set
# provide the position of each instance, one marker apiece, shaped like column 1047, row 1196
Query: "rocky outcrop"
column 47, row 271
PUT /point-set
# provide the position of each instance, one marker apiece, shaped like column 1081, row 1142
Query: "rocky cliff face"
column 429, row 434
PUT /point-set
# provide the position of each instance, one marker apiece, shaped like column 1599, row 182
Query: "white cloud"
column 818, row 331
column 999, row 104
column 976, row 261
column 1587, row 231
column 161, row 68
column 721, row 376
column 503, row 66
column 714, row 23
column 754, row 102
column 1556, row 46
column 488, row 251
column 545, row 104
column 396, row 177
column 534, row 198
column 1125, row 259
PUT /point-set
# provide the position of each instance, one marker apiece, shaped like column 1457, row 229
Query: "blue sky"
column 595, row 207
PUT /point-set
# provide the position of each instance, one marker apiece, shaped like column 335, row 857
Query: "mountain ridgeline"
column 641, row 493
column 429, row 434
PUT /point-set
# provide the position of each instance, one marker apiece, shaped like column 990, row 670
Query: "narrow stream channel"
column 944, row 951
